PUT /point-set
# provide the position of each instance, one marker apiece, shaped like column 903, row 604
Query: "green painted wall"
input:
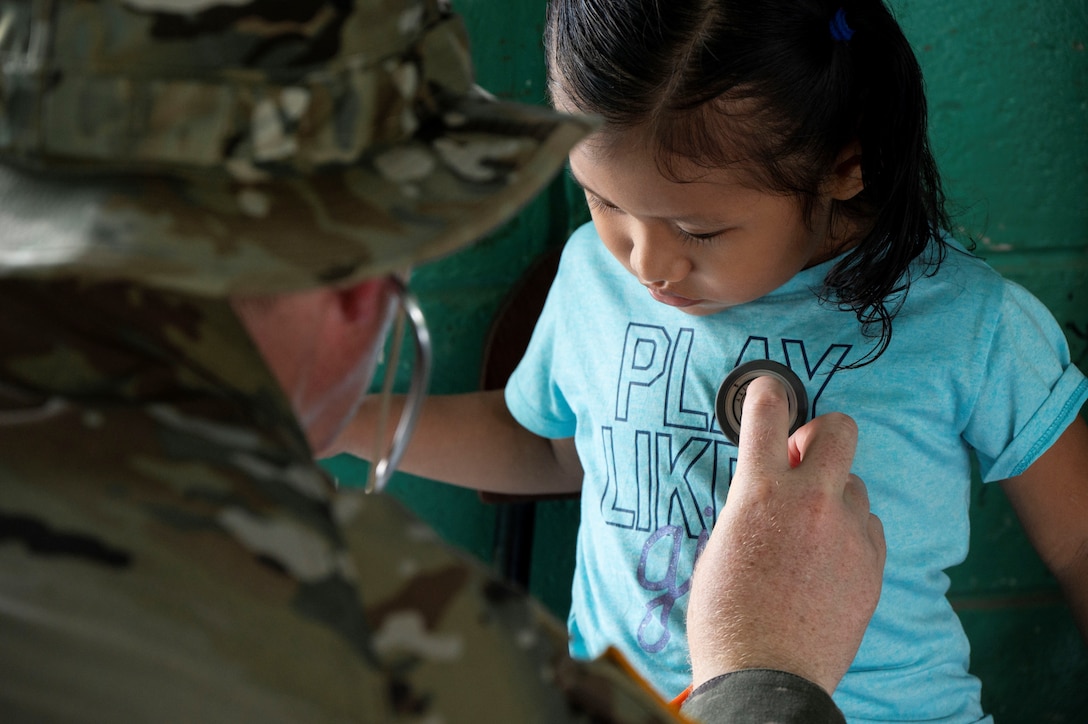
column 1008, row 94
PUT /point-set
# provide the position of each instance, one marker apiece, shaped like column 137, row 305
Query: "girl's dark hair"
column 764, row 85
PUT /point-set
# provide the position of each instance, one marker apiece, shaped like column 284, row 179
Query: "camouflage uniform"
column 169, row 551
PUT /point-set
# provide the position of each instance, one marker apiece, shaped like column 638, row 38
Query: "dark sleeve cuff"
column 756, row 696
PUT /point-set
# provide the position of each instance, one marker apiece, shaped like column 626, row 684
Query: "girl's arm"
column 470, row 440
column 1051, row 500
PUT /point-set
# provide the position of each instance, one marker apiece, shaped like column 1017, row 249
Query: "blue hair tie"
column 840, row 31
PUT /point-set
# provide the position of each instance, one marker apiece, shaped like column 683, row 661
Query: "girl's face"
column 703, row 245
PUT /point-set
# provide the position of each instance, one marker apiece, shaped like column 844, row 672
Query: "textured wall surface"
column 1008, row 93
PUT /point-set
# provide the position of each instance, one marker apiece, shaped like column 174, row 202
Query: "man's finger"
column 876, row 536
column 765, row 426
column 832, row 440
column 856, row 495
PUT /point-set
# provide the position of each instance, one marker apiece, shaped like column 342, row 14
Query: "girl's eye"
column 601, row 206
column 598, row 204
column 698, row 238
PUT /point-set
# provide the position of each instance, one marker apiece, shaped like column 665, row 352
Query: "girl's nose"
column 658, row 259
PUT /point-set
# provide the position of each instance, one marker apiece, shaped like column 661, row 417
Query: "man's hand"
column 791, row 574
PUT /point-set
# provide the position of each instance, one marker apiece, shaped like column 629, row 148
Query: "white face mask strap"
column 383, row 469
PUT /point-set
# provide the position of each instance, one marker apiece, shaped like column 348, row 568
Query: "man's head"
column 274, row 154
column 322, row 345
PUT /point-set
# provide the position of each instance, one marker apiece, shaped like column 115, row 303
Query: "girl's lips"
column 673, row 300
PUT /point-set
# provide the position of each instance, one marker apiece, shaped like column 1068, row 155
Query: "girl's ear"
column 845, row 181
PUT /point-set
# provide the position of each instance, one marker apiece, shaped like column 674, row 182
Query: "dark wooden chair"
column 506, row 342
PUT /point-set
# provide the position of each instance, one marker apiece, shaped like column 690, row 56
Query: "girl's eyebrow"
column 573, row 177
column 693, row 219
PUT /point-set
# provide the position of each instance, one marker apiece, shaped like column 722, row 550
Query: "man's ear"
column 845, row 181
column 365, row 308
column 362, row 302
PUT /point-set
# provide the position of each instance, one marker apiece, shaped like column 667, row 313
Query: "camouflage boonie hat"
column 223, row 147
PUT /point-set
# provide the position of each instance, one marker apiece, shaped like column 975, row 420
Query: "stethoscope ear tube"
column 383, row 467
column 729, row 403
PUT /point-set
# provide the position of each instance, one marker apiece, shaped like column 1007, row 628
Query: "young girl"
column 762, row 187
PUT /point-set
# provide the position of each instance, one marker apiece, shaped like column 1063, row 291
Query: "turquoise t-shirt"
column 976, row 363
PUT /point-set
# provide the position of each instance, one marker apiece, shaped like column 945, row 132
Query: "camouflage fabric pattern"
column 242, row 147
column 170, row 552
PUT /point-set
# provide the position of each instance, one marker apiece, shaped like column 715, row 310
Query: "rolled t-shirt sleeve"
column 533, row 393
column 539, row 406
column 1030, row 391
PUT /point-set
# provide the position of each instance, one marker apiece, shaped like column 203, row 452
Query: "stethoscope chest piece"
column 730, row 401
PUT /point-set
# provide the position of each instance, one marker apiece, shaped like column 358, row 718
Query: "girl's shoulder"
column 950, row 267
column 585, row 258
column 584, row 241
column 953, row 279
